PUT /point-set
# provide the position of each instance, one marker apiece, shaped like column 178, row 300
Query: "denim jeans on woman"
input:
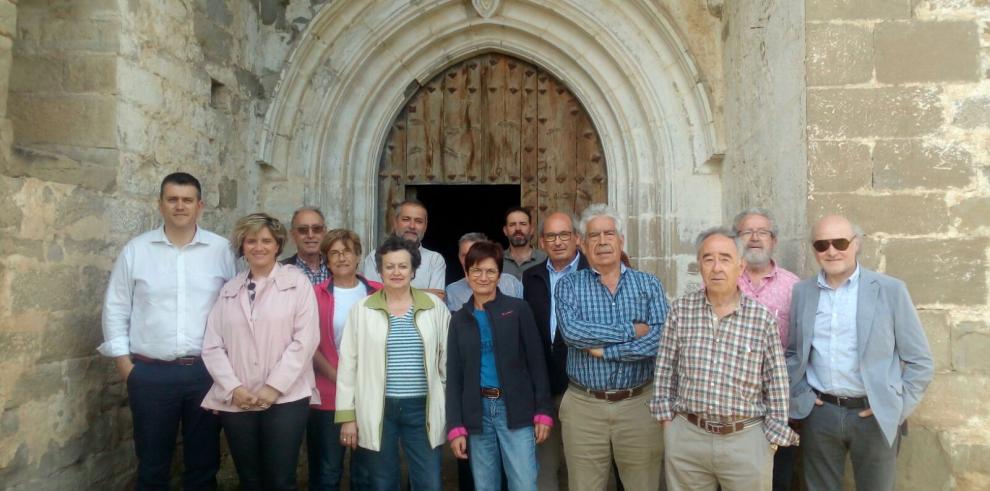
column 497, row 445
column 326, row 455
column 405, row 422
column 265, row 444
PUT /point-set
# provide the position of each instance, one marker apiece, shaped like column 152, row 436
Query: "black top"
column 536, row 291
column 521, row 368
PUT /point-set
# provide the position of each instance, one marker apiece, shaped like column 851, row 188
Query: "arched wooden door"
column 495, row 119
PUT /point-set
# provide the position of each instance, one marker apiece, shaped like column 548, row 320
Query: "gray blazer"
column 894, row 358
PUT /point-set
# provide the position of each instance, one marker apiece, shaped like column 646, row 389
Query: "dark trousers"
column 326, row 454
column 163, row 398
column 783, row 468
column 265, row 444
column 829, row 433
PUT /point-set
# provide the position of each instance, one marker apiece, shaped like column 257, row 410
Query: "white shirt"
column 343, row 300
column 432, row 272
column 159, row 295
column 833, row 367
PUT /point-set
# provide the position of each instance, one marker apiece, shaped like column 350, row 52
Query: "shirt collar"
column 622, row 270
column 852, row 280
column 571, row 266
column 161, row 237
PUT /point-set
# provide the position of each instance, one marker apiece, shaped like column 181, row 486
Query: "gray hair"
column 763, row 212
column 723, row 231
column 410, row 202
column 857, row 230
column 599, row 210
column 314, row 209
column 570, row 216
column 472, row 237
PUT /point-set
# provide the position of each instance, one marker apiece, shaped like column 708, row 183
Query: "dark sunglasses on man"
column 838, row 244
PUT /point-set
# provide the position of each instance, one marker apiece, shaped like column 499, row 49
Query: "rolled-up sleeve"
column 117, row 307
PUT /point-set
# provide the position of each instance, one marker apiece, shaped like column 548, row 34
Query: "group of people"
column 539, row 356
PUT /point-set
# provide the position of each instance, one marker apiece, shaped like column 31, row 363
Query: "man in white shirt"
column 160, row 293
column 410, row 223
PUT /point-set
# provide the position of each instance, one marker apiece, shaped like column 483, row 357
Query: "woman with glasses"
column 390, row 377
column 259, row 345
column 498, row 394
column 341, row 251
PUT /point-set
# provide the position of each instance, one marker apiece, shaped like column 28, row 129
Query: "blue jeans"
column 497, row 444
column 404, row 420
column 326, row 454
column 161, row 397
column 829, row 433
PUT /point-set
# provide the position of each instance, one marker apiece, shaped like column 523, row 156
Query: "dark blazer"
column 291, row 260
column 518, row 361
column 536, row 291
column 894, row 359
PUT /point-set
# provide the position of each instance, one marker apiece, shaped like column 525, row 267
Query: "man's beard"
column 757, row 257
column 518, row 240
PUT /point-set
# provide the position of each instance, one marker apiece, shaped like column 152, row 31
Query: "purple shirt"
column 774, row 293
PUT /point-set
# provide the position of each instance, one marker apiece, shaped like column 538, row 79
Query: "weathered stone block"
column 900, row 164
column 973, row 113
column 10, row 212
column 838, row 166
column 36, row 384
column 971, row 214
column 228, row 193
column 971, row 342
column 885, row 112
column 927, row 51
column 8, row 18
column 939, row 334
column 75, row 34
column 857, row 9
column 36, row 73
column 951, row 271
column 924, row 462
column 949, row 400
column 838, row 54
column 91, row 73
column 78, row 205
column 46, row 166
column 84, row 120
column 885, row 214
column 57, row 288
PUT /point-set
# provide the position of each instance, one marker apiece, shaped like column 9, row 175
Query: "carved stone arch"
column 350, row 75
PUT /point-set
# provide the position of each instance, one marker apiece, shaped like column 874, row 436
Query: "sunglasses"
column 838, row 244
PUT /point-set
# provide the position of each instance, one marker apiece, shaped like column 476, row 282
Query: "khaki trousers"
column 550, row 453
column 696, row 460
column 594, row 429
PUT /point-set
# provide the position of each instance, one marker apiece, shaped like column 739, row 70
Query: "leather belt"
column 491, row 392
column 183, row 361
column 846, row 402
column 718, row 427
column 612, row 395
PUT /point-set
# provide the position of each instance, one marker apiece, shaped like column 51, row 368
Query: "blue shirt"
column 459, row 291
column 833, row 367
column 405, row 367
column 590, row 316
column 555, row 277
column 489, row 374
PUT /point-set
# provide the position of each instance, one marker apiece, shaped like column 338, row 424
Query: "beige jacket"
column 361, row 368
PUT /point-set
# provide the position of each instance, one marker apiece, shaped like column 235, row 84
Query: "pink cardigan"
column 324, row 298
column 273, row 346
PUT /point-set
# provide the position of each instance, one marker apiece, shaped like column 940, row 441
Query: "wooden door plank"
column 423, row 130
column 504, row 104
column 529, row 151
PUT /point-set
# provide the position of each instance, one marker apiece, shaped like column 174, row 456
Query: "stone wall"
column 898, row 124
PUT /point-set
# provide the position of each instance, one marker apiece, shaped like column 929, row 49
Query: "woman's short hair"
column 480, row 251
column 348, row 237
column 250, row 225
column 394, row 244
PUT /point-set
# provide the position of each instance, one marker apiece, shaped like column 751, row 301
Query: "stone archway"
column 358, row 62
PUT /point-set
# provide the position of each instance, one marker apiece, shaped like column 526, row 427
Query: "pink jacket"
column 273, row 346
column 324, row 297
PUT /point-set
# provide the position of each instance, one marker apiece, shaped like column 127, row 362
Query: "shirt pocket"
column 745, row 360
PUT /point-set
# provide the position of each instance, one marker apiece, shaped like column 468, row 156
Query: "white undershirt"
column 343, row 300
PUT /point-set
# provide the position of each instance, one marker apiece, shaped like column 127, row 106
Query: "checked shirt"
column 590, row 316
column 722, row 369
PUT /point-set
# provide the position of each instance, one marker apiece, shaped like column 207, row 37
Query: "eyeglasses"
column 838, row 244
column 335, row 254
column 761, row 233
column 477, row 272
column 315, row 229
column 563, row 236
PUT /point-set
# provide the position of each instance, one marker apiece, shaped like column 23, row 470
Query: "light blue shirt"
column 555, row 277
column 460, row 292
column 834, row 364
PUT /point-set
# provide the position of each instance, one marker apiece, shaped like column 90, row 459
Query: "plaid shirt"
column 590, row 316
column 315, row 277
column 722, row 369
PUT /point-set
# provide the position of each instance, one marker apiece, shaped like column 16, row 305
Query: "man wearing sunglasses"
column 308, row 228
column 858, row 362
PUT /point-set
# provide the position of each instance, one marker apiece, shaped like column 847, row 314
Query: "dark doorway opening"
column 461, row 208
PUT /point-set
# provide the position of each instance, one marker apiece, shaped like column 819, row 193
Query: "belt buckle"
column 186, row 361
column 712, row 427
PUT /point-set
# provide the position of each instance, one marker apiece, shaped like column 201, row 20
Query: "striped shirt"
column 722, row 369
column 590, row 316
column 405, row 369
